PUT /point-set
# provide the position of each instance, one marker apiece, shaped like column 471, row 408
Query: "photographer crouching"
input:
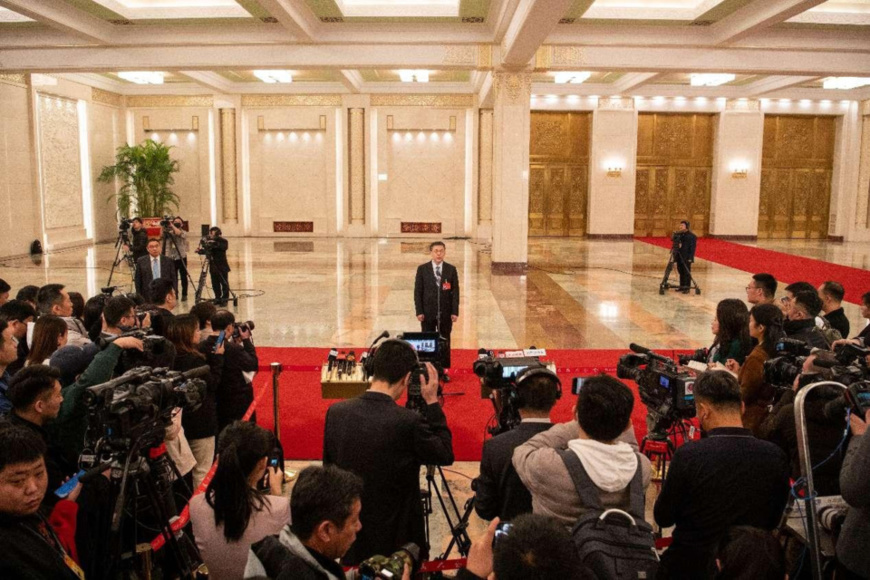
column 386, row 445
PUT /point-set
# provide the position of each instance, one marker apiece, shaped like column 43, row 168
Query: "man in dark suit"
column 437, row 289
column 165, row 299
column 220, row 268
column 386, row 445
column 687, row 243
column 152, row 267
column 235, row 392
column 499, row 490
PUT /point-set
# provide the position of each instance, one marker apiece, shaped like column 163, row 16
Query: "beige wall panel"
column 106, row 135
column 18, row 194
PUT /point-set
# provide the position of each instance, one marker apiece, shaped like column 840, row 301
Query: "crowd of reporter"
column 723, row 494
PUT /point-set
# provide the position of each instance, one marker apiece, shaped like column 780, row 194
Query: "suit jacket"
column 499, row 491
column 837, row 319
column 219, row 255
column 386, row 444
column 687, row 246
column 426, row 291
column 144, row 276
column 234, row 393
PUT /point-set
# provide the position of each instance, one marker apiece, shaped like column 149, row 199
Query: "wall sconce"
column 451, row 127
column 614, row 171
column 739, row 172
column 261, row 126
column 147, row 128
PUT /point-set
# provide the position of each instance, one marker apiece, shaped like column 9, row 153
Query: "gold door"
column 796, row 168
column 674, row 169
column 558, row 174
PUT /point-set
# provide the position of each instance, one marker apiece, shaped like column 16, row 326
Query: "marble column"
column 614, row 146
column 734, row 200
column 510, row 172
column 356, row 167
column 228, row 166
column 862, row 215
column 484, row 189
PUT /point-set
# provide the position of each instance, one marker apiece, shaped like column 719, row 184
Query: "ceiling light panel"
column 274, row 76
column 165, row 9
column 399, row 8
column 411, row 76
column 845, row 83
column 710, row 80
column 574, row 78
column 142, row 77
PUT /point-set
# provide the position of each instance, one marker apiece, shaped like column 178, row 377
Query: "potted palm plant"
column 145, row 172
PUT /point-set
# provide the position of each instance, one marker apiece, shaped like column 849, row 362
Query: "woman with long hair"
column 765, row 325
column 49, row 334
column 232, row 514
column 200, row 426
column 730, row 328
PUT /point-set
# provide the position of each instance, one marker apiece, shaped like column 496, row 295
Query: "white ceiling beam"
column 64, row 17
column 404, row 33
column 294, row 16
column 774, row 83
column 628, row 35
column 37, row 37
column 211, row 80
column 630, row 82
column 757, row 16
column 352, row 80
column 530, row 27
column 486, row 94
column 417, row 88
column 504, row 13
column 96, row 81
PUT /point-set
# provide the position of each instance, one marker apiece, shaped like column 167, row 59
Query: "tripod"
column 169, row 236
column 121, row 255
column 206, row 265
column 458, row 530
column 676, row 259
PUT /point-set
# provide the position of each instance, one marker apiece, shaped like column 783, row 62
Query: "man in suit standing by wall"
column 152, row 267
column 437, row 285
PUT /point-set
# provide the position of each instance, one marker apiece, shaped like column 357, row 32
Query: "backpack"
column 611, row 544
column 829, row 332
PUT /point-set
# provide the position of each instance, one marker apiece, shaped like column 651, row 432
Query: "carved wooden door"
column 796, row 168
column 674, row 169
column 558, row 174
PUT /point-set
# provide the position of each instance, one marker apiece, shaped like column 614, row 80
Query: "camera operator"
column 855, row 486
column 765, row 326
column 165, row 300
column 824, row 433
column 325, row 507
column 18, row 315
column 730, row 328
column 386, row 444
column 220, row 268
column 747, row 553
column 534, row 546
column 602, row 436
column 761, row 290
column 235, row 392
column 801, row 323
column 177, row 252
column 232, row 514
column 31, row 547
column 687, row 243
column 725, row 479
column 119, row 316
column 499, row 491
column 139, row 239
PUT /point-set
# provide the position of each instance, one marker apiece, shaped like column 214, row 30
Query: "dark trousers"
column 219, row 285
column 446, row 329
column 685, row 269
column 181, row 269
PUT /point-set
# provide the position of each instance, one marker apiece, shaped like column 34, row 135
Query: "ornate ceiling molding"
column 422, row 100
column 742, row 105
column 559, row 56
column 144, row 101
column 514, row 88
column 14, row 79
column 616, row 103
column 106, row 97
column 291, row 100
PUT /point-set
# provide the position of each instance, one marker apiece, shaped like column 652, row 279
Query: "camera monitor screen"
column 508, row 371
column 426, row 345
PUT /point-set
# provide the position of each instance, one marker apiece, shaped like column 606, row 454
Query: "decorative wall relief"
column 291, row 100
column 453, row 101
column 106, row 97
column 134, row 101
column 293, row 227
column 513, row 88
column 421, row 227
column 60, row 162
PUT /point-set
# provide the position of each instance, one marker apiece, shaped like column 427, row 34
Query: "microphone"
column 351, row 361
column 333, row 354
column 342, row 360
column 384, row 334
column 644, row 350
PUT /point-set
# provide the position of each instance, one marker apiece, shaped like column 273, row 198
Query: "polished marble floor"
column 577, row 293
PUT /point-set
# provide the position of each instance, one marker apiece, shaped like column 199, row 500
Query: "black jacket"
column 807, row 331
column 865, row 332
column 139, row 243
column 57, row 465
column 160, row 320
column 294, row 563
column 234, row 393
column 824, row 436
column 837, row 319
column 31, row 550
column 203, row 422
column 144, row 276
column 386, row 444
column 688, row 242
column 499, row 491
column 426, row 292
column 219, row 255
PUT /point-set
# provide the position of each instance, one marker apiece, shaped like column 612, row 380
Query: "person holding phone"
column 234, row 393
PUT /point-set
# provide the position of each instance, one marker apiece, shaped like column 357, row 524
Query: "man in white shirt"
column 152, row 267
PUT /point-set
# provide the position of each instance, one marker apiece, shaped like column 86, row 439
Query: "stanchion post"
column 276, row 372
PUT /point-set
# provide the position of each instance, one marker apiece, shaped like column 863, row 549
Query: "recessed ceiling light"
column 574, row 78
column 845, row 83
column 411, row 76
column 142, row 77
column 274, row 76
column 710, row 80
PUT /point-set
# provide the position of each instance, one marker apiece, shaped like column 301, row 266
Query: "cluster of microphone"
column 341, row 363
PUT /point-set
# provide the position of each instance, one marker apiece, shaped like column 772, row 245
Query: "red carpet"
column 302, row 410
column 784, row 267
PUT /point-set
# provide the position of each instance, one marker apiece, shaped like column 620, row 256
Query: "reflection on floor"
column 577, row 293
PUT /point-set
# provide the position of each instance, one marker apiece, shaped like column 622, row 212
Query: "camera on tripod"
column 124, row 225
column 500, row 375
column 699, row 355
column 667, row 392
column 393, row 566
column 430, row 348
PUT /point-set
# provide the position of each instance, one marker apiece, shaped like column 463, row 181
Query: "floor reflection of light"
column 608, row 310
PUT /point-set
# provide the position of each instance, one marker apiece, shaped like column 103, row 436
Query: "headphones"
column 216, row 230
column 533, row 371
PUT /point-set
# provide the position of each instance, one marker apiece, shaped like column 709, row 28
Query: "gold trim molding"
column 616, row 103
column 866, row 108
column 484, row 56
column 106, row 97
column 559, row 56
column 463, row 54
column 516, row 87
column 291, row 100
column 422, row 101
column 170, row 101
column 742, row 105
column 14, row 79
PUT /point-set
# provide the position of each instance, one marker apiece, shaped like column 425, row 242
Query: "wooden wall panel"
column 559, row 173
column 674, row 169
column 796, row 168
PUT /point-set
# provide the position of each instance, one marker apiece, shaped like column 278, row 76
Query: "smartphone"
column 577, row 384
column 501, row 531
column 66, row 489
column 220, row 340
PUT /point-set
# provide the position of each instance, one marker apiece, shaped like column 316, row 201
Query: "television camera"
column 667, row 392
column 500, row 375
column 430, row 348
